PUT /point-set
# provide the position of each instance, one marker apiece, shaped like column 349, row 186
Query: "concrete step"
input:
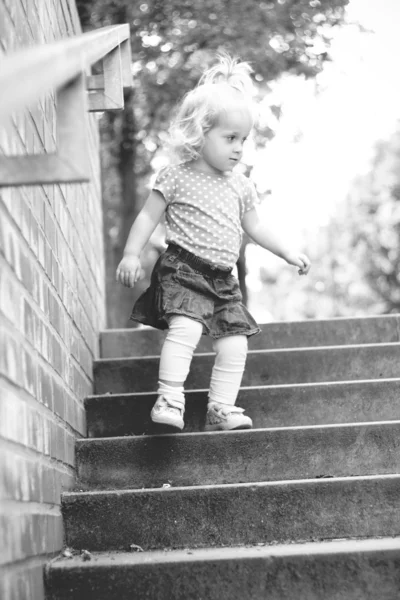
column 232, row 515
column 345, row 570
column 272, row 367
column 238, row 456
column 269, row 406
column 330, row 332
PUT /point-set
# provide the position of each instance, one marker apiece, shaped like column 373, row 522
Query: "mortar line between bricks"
column 37, row 457
column 256, row 484
column 41, row 360
column 38, row 406
column 38, row 560
column 13, row 507
column 46, row 321
column 74, row 258
column 42, row 271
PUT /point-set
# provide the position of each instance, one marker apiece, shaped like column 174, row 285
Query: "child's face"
column 223, row 145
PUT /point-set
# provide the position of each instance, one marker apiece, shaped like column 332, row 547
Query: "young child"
column 206, row 206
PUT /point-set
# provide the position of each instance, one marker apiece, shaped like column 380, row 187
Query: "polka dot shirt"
column 204, row 211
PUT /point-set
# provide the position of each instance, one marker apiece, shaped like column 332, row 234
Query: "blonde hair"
column 224, row 85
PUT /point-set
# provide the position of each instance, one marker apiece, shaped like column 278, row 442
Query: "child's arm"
column 267, row 238
column 128, row 270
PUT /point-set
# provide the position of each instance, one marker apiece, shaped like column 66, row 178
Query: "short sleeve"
column 166, row 183
column 250, row 197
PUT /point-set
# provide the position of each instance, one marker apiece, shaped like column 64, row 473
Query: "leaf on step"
column 85, row 554
column 135, row 548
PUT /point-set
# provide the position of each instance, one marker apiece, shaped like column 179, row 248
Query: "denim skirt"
column 185, row 284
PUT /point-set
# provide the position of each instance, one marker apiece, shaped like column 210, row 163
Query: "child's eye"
column 231, row 138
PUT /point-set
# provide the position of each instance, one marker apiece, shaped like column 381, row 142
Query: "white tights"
column 177, row 353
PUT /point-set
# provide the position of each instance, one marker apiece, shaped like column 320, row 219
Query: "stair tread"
column 337, row 363
column 303, row 322
column 241, row 432
column 71, row 495
column 316, row 549
column 326, row 438
column 268, row 388
column 301, row 350
column 280, row 334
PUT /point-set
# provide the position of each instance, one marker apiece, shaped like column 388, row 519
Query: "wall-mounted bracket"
column 106, row 89
column 70, row 163
column 63, row 66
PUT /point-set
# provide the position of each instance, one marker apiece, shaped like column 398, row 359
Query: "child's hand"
column 128, row 270
column 299, row 260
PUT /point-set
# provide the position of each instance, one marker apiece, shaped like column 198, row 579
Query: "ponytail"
column 230, row 71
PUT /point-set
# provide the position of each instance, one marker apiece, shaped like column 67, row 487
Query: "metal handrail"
column 30, row 73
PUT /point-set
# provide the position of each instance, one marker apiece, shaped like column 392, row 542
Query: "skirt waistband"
column 202, row 265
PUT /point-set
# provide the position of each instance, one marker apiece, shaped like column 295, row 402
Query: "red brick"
column 34, row 235
column 29, row 534
column 10, row 297
column 50, row 229
column 26, row 271
column 45, row 388
column 11, row 247
column 69, row 450
column 41, row 248
column 25, row 581
column 55, row 273
column 29, row 370
column 29, row 323
column 48, row 259
column 59, row 399
column 25, row 221
column 21, row 477
column 47, row 237
column 10, row 361
column 56, row 355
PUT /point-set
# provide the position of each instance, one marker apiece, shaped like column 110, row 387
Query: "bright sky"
column 326, row 139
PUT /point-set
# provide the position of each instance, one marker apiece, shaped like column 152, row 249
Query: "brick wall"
column 51, row 309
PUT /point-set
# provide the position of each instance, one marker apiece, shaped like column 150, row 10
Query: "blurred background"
column 325, row 156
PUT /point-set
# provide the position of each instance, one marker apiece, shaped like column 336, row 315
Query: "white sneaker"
column 167, row 411
column 222, row 417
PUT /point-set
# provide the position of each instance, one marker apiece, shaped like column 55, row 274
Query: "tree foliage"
column 356, row 268
column 172, row 42
column 374, row 215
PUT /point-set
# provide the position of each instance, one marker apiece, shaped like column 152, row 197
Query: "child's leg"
column 227, row 373
column 226, row 377
column 176, row 356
